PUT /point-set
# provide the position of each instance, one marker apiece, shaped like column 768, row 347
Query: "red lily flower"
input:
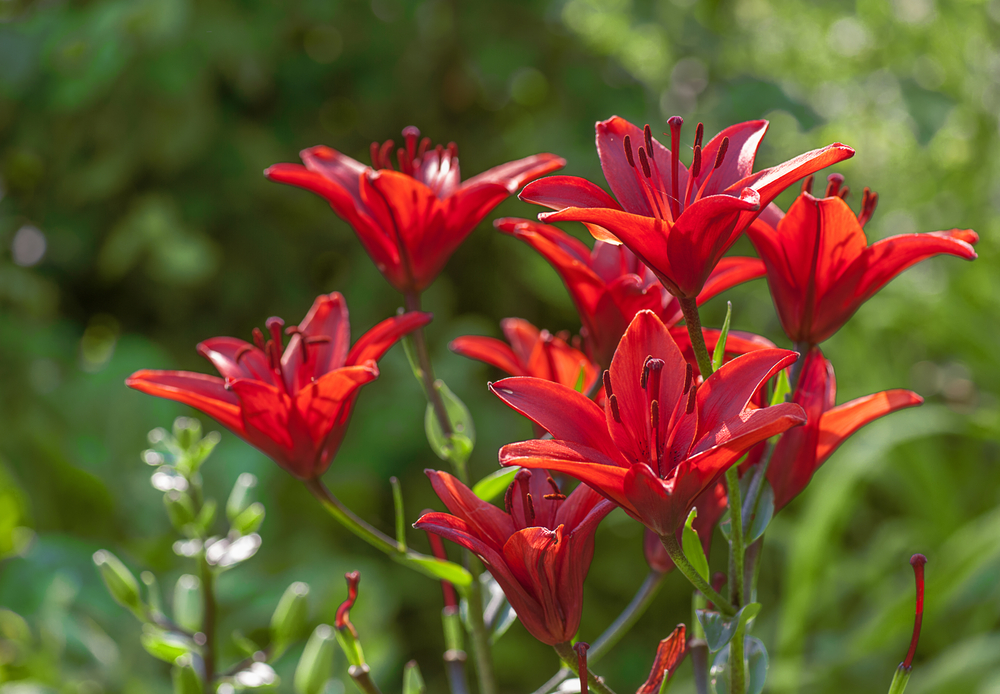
column 820, row 267
column 409, row 221
column 531, row 352
column 539, row 551
column 294, row 407
column 800, row 452
column 609, row 286
column 711, row 504
column 661, row 439
column 678, row 221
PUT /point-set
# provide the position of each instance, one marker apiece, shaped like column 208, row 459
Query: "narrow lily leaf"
column 413, row 681
column 495, row 483
column 580, row 385
column 765, row 511
column 439, row 569
column 781, row 387
column 397, row 501
column 720, row 347
column 692, row 546
column 756, row 659
column 719, row 632
column 456, row 448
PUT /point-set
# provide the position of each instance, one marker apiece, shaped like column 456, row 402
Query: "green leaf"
column 781, row 387
column 765, row 511
column 580, row 385
column 692, row 546
column 719, row 631
column 456, row 448
column 756, row 659
column 720, row 346
column 165, row 645
column 439, row 569
column 413, row 681
column 494, row 484
column 289, row 618
column 316, row 664
column 397, row 502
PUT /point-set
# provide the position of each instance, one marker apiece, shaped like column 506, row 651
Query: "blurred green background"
column 135, row 222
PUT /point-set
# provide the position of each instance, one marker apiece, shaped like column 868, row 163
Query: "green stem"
column 629, row 616
column 737, row 668
column 346, row 517
column 361, row 674
column 751, row 503
column 793, row 377
column 427, row 371
column 675, row 552
column 736, row 553
column 454, row 665
column 692, row 321
column 569, row 658
column 208, row 627
column 480, row 635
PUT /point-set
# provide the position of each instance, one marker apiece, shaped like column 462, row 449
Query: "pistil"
column 675, row 123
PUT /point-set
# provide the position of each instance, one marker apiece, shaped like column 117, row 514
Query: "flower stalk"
column 570, row 658
column 692, row 320
column 676, row 554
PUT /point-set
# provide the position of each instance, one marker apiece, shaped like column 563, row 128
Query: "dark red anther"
column 383, row 155
column 556, row 494
column 403, row 160
column 650, row 379
column 373, row 151
column 723, row 148
column 691, row 401
column 654, row 414
column 437, row 549
column 644, row 162
column 844, row 192
column 424, row 144
column 807, row 185
column 688, row 377
column 675, row 123
column 258, row 339
column 303, row 344
column 833, row 183
column 531, row 507
column 411, row 134
column 868, row 202
column 508, row 500
column 628, row 151
column 696, row 162
column 613, row 403
column 917, row 561
column 274, row 326
column 453, row 150
column 554, row 497
column 581, row 648
column 699, row 133
column 649, row 141
column 343, row 618
column 607, row 383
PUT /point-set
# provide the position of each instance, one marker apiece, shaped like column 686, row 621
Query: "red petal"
column 327, row 318
column 335, row 167
column 533, row 556
column 725, row 444
column 486, row 519
column 489, row 350
column 266, row 415
column 203, row 392
column 562, row 411
column 744, row 141
column 726, row 392
column 654, row 503
column 514, row 174
column 522, row 336
column 623, row 178
column 321, row 403
column 559, row 192
column 842, row 421
column 770, row 182
column 728, row 273
column 235, row 358
column 669, row 656
column 377, row 341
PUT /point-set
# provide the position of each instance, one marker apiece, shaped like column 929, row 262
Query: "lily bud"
column 120, row 582
column 289, row 616
column 347, row 635
column 902, row 675
column 185, row 677
column 316, row 664
column 248, row 522
column 180, row 509
column 188, row 611
column 241, row 496
column 581, row 648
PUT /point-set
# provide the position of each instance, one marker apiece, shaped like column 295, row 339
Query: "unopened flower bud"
column 180, row 509
column 347, row 635
column 120, row 581
column 187, row 603
column 185, row 677
column 241, row 496
column 316, row 664
column 289, row 618
column 187, row 432
column 250, row 519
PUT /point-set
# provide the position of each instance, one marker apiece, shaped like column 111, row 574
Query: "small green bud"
column 249, row 521
column 241, row 496
column 187, row 432
column 316, row 664
column 413, row 681
column 185, row 677
column 206, row 516
column 180, row 509
column 120, row 582
column 164, row 645
column 187, row 603
column 289, row 618
column 152, row 591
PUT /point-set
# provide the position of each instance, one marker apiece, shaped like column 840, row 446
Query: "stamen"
column 552, row 483
column 807, row 185
column 834, row 181
column 554, row 497
column 628, row 151
column 343, row 617
column 690, row 403
column 383, row 155
column 723, row 148
column 654, row 413
column 699, row 132
column 424, row 144
column 917, row 561
column 649, row 141
column 868, row 202
column 373, row 151
column 403, row 161
column 274, row 326
column 453, row 150
column 607, row 383
column 581, row 662
column 508, row 499
column 294, row 330
column 695, row 165
column 531, row 507
column 645, row 162
column 688, row 377
column 675, row 123
column 411, row 134
column 258, row 339
column 651, row 368
column 844, row 192
column 613, row 403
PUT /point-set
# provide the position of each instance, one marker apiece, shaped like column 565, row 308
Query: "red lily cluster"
column 623, row 407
